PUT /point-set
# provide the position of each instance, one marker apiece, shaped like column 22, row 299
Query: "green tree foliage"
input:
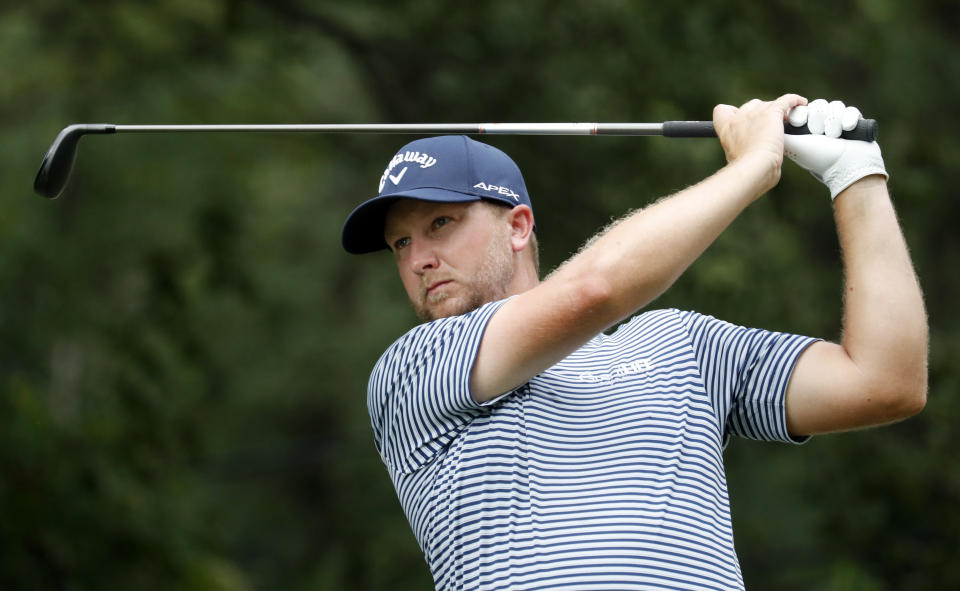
column 184, row 347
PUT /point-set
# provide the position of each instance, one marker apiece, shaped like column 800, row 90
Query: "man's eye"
column 440, row 221
column 401, row 243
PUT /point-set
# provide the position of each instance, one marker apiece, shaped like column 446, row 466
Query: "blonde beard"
column 488, row 284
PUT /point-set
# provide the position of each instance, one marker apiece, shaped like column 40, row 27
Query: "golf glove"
column 835, row 162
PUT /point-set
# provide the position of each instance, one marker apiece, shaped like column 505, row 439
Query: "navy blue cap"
column 448, row 169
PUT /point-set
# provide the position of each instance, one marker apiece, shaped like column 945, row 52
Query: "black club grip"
column 866, row 130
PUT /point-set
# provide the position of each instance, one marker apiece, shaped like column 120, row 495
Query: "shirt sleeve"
column 745, row 373
column 419, row 395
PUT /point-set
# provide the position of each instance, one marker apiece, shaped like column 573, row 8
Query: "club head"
column 58, row 162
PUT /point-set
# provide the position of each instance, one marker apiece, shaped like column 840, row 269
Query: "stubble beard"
column 488, row 284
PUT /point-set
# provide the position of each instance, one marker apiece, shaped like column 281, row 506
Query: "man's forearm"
column 885, row 325
column 640, row 256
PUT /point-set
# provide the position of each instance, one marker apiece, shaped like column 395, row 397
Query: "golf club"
column 58, row 161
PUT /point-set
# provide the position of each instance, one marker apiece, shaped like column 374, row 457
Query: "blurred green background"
column 184, row 347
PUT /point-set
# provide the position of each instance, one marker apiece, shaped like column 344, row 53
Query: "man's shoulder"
column 428, row 335
column 650, row 328
column 652, row 321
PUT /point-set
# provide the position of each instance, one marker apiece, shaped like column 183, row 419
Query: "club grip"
column 866, row 130
column 688, row 129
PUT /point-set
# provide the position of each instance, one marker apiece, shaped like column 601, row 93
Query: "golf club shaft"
column 865, row 130
column 58, row 161
column 410, row 128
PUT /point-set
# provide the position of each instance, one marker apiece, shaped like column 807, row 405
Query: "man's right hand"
column 755, row 131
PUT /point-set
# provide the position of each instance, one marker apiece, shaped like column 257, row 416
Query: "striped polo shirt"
column 603, row 472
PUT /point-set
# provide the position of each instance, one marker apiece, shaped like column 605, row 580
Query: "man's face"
column 452, row 257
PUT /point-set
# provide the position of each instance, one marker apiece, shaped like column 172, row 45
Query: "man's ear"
column 521, row 226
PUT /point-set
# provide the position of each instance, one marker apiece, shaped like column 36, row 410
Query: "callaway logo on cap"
column 449, row 169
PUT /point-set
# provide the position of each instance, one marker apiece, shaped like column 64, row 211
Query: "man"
column 529, row 449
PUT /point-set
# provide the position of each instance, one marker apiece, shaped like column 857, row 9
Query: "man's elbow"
column 910, row 402
column 589, row 297
column 905, row 395
column 915, row 399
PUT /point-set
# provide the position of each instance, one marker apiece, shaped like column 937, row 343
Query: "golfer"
column 532, row 450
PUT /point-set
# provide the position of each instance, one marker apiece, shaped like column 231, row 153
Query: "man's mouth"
column 437, row 285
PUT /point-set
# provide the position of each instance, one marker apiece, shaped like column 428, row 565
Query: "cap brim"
column 363, row 230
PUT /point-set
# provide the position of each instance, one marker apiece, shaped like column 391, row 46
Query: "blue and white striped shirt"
column 603, row 472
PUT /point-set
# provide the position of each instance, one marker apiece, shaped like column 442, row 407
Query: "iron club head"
column 58, row 161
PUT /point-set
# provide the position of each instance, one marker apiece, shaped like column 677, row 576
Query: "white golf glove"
column 835, row 162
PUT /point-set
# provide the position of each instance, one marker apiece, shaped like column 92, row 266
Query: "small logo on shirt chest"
column 617, row 372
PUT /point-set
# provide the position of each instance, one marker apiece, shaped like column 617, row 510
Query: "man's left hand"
column 835, row 162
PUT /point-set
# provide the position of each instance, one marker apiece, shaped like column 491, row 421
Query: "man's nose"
column 423, row 257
